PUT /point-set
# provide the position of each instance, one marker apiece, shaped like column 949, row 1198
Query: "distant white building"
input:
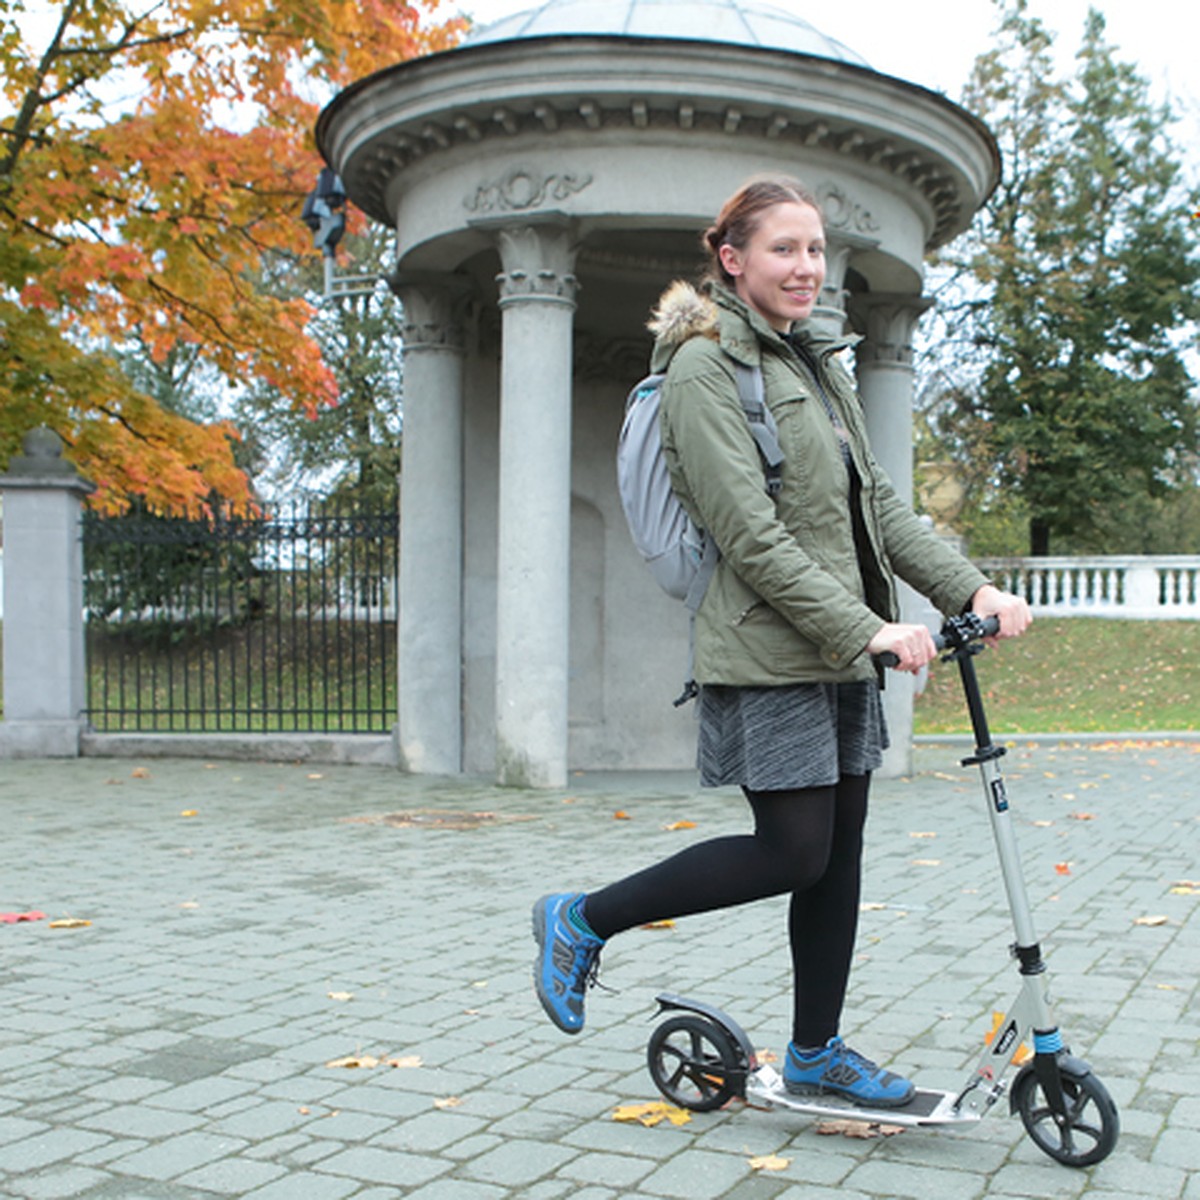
column 545, row 181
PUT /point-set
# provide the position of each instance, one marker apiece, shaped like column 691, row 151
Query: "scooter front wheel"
column 693, row 1062
column 1084, row 1134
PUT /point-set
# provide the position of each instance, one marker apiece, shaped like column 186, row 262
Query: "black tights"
column 807, row 842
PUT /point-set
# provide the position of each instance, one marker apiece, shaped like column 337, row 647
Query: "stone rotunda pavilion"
column 546, row 180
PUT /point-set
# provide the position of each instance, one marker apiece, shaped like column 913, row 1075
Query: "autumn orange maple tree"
column 154, row 154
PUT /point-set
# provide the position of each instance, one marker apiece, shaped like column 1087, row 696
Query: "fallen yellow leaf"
column 769, row 1162
column 69, row 923
column 668, row 924
column 1082, row 816
column 1156, row 920
column 858, row 1129
column 922, row 835
column 189, row 812
column 351, row 1061
column 407, row 1063
column 652, row 1113
column 341, row 995
column 448, row 1102
column 1181, row 889
column 139, row 773
column 621, row 815
column 680, row 825
column 926, row 862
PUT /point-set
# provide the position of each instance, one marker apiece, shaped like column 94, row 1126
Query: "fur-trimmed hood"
column 682, row 313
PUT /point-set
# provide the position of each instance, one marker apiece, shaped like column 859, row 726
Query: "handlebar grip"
column 955, row 633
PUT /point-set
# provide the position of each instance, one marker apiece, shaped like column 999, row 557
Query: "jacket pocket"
column 730, row 600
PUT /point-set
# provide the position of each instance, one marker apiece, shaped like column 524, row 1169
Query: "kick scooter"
column 700, row 1059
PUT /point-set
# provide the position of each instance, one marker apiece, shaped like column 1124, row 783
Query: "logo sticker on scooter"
column 1003, row 1044
column 999, row 795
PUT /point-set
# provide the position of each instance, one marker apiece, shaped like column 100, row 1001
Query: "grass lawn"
column 1065, row 676
column 1077, row 675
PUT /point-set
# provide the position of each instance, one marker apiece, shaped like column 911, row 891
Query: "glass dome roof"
column 739, row 22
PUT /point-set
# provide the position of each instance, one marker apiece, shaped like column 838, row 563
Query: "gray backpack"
column 680, row 555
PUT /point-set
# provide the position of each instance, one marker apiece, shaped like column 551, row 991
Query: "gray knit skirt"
column 783, row 738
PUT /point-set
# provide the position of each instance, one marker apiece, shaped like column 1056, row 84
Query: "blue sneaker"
column 840, row 1070
column 567, row 960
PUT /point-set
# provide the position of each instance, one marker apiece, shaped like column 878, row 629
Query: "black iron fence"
column 284, row 623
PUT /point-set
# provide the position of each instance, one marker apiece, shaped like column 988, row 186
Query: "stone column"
column 885, row 382
column 429, row 625
column 830, row 310
column 44, row 691
column 537, row 304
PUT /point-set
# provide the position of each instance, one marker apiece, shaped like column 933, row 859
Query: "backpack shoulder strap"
column 752, row 394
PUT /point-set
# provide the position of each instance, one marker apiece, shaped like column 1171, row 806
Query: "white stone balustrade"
column 1141, row 587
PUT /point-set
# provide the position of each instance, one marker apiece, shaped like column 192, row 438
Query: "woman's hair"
column 742, row 212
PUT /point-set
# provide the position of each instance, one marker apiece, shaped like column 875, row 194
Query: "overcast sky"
column 935, row 42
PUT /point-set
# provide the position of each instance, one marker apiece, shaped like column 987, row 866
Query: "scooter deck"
column 764, row 1087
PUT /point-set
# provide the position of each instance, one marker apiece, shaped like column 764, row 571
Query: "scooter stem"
column 986, row 757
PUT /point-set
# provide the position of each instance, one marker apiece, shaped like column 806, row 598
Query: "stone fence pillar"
column 44, row 693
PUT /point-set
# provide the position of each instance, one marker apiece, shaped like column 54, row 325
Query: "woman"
column 802, row 598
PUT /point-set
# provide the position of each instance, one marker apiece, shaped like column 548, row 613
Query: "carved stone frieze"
column 522, row 189
column 607, row 358
column 843, row 213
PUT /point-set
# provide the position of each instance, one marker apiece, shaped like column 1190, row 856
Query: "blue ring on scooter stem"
column 1048, row 1043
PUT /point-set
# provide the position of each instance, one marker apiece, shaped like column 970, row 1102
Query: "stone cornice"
column 564, row 91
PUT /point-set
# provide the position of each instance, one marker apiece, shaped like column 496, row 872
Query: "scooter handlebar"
column 955, row 633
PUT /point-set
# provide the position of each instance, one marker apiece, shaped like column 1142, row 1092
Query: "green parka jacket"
column 788, row 602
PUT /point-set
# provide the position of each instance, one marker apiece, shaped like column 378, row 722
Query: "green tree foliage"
column 349, row 454
column 1065, row 388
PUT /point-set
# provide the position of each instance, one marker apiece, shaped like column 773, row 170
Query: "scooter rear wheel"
column 693, row 1062
column 1085, row 1134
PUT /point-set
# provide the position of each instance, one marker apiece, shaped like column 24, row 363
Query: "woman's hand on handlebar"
column 1011, row 611
column 912, row 646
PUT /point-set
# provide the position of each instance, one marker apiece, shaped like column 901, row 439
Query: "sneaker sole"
column 539, row 936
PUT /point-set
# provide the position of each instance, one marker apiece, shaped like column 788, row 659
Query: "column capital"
column 538, row 262
column 831, row 307
column 435, row 306
column 890, row 320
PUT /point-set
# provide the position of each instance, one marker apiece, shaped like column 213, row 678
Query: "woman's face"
column 780, row 270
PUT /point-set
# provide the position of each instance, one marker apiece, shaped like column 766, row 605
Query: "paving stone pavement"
column 251, row 923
